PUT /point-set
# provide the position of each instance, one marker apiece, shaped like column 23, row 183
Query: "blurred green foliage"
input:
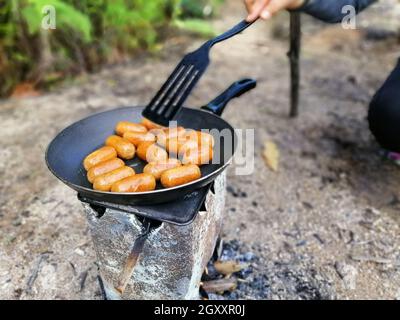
column 88, row 34
column 199, row 8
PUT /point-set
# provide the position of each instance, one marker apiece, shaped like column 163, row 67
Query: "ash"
column 266, row 280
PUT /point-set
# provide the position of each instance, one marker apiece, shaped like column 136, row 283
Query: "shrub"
column 88, row 34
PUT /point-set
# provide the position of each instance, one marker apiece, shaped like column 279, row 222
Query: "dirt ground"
column 325, row 225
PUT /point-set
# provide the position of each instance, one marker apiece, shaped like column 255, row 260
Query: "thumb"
column 256, row 10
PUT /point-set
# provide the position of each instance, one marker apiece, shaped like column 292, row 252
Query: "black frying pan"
column 66, row 152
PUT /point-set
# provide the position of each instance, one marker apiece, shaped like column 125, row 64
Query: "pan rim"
column 158, row 191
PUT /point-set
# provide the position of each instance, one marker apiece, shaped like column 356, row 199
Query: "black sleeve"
column 331, row 10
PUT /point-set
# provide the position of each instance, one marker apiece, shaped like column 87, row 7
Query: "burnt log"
column 294, row 59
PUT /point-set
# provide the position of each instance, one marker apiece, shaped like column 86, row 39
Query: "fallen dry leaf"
column 25, row 90
column 219, row 285
column 271, row 155
column 228, row 267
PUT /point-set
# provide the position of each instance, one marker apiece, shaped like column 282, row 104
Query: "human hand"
column 265, row 9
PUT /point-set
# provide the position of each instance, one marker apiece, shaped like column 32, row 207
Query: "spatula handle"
column 230, row 33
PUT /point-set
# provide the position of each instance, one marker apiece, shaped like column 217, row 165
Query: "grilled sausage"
column 150, row 124
column 157, row 168
column 176, row 145
column 138, row 137
column 185, row 140
column 100, row 155
column 125, row 126
column 105, row 181
column 198, row 155
column 202, row 138
column 157, row 131
column 174, row 131
column 183, row 146
column 180, row 175
column 171, row 145
column 124, row 148
column 150, row 152
column 104, row 167
column 169, row 133
column 206, row 139
column 138, row 183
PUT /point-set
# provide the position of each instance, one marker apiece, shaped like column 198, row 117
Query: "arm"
column 326, row 10
column 331, row 10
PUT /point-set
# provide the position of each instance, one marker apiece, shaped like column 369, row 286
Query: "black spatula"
column 170, row 98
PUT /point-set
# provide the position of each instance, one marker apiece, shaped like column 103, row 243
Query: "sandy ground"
column 326, row 225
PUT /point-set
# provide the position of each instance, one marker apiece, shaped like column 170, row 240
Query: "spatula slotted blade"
column 173, row 93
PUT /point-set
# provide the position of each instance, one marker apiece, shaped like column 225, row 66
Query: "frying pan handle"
column 217, row 105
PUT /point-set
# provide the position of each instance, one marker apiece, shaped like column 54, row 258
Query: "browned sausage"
column 157, row 131
column 175, row 145
column 198, row 155
column 138, row 137
column 171, row 145
column 187, row 139
column 186, row 145
column 100, row 155
column 202, row 138
column 180, row 175
column 170, row 133
column 138, row 183
column 157, row 168
column 205, row 138
column 125, row 149
column 173, row 133
column 125, row 126
column 104, row 167
column 142, row 149
column 150, row 124
column 105, row 181
column 150, row 152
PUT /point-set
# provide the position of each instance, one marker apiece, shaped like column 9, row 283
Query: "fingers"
column 266, row 14
column 273, row 7
column 256, row 7
column 265, row 9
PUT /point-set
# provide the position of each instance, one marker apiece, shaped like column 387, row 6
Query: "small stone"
column 79, row 252
column 25, row 213
column 348, row 274
column 245, row 272
column 249, row 256
column 232, row 296
column 16, row 222
column 232, row 191
column 307, row 205
column 301, row 243
column 213, row 296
